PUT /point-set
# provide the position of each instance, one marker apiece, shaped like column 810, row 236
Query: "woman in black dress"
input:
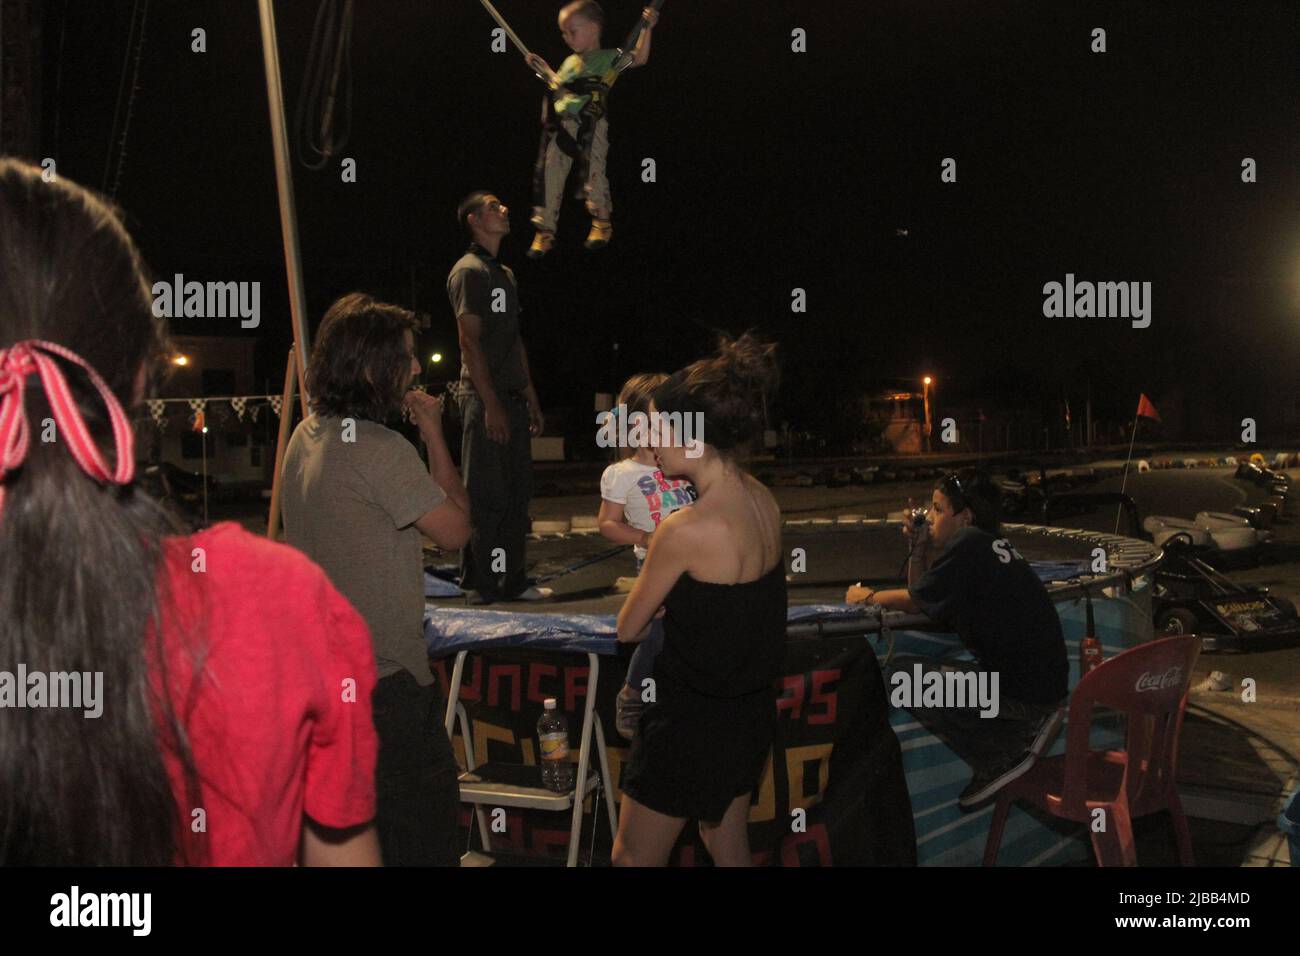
column 714, row 574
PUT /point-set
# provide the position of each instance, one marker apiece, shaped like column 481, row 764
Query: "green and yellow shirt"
column 595, row 64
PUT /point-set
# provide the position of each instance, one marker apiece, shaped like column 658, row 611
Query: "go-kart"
column 1191, row 597
column 1274, row 482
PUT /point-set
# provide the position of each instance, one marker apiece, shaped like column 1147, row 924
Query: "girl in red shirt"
column 163, row 699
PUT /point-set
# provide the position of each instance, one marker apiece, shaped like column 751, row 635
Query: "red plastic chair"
column 1148, row 684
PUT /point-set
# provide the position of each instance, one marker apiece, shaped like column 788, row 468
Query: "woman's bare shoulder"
column 763, row 496
column 687, row 523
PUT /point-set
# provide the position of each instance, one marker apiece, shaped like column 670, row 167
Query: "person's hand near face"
column 911, row 533
column 426, row 412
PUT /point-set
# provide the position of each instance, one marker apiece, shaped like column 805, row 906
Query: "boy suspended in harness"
column 575, row 122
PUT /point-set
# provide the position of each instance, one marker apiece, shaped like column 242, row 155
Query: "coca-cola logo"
column 1149, row 681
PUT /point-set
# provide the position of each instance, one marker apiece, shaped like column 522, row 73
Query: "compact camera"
column 917, row 518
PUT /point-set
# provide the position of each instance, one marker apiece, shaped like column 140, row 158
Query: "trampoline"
column 497, row 664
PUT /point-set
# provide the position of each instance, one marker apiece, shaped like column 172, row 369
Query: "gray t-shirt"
column 350, row 506
column 472, row 288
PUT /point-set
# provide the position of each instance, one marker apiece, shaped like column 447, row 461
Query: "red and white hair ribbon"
column 18, row 362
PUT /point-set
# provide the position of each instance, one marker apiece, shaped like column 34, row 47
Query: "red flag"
column 1146, row 409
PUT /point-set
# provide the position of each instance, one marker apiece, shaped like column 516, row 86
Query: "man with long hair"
column 356, row 499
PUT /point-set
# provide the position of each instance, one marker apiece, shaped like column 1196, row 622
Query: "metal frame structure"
column 296, row 367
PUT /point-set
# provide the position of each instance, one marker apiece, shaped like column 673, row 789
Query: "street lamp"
column 434, row 360
column 927, row 381
column 181, row 360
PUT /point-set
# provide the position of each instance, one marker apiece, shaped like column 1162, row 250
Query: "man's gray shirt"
column 472, row 288
column 351, row 507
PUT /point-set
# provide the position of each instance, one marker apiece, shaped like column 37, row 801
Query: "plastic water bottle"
column 553, row 736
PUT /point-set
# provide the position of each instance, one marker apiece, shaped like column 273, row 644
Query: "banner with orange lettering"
column 833, row 791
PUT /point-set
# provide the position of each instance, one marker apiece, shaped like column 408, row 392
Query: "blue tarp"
column 435, row 586
column 1059, row 570
column 935, row 775
column 449, row 630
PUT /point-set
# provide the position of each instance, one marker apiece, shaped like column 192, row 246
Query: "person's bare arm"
column 469, row 329
column 426, row 410
column 325, row 846
column 443, row 471
column 670, row 549
column 641, row 54
column 543, row 69
column 898, row 599
column 535, row 419
column 447, row 525
column 919, row 561
column 613, row 527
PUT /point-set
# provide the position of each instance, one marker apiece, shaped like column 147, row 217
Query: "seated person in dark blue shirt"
column 1002, row 711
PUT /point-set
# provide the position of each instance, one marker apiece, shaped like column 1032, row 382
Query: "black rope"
column 135, row 39
column 578, row 565
column 58, row 76
column 329, row 62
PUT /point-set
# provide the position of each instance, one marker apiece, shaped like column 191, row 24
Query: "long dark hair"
column 359, row 366
column 79, row 561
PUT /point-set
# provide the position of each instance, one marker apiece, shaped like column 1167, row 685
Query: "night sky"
column 775, row 170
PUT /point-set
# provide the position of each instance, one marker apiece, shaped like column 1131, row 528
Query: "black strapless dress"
column 705, row 739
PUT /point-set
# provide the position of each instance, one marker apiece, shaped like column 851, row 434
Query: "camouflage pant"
column 558, row 164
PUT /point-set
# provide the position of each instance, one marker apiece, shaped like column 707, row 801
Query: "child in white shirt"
column 635, row 497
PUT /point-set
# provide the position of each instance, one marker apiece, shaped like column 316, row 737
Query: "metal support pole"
column 1123, row 485
column 284, row 186
column 281, row 443
column 501, row 21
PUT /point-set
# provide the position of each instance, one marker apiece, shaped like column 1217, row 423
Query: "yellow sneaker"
column 542, row 243
column 602, row 231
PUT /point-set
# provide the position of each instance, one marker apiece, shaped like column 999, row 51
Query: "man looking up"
column 500, row 411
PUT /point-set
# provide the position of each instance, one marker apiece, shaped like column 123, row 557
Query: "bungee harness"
column 577, row 148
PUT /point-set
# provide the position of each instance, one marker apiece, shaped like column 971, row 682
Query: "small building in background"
column 900, row 415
